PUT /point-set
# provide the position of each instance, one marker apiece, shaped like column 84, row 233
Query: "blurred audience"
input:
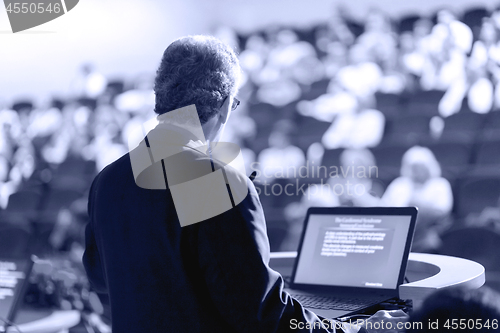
column 332, row 72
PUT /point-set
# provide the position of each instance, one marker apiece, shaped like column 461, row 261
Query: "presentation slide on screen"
column 355, row 251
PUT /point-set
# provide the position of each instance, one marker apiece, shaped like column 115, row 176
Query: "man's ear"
column 225, row 109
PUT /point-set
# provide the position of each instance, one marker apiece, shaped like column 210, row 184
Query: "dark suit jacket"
column 212, row 276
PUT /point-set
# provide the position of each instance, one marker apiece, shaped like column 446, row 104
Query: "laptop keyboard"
column 334, row 303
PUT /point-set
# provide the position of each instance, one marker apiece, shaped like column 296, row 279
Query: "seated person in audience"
column 353, row 125
column 362, row 76
column 420, row 185
column 479, row 309
column 7, row 185
column 336, row 30
column 363, row 128
column 23, row 162
column 483, row 62
column 253, row 56
column 281, row 159
column 108, row 145
column 378, row 40
column 327, row 107
column 139, row 99
column 452, row 41
column 355, row 177
column 277, row 85
column 10, row 131
column 335, row 59
column 241, row 130
column 308, row 70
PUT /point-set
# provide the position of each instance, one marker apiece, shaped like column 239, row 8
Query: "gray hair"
column 421, row 155
column 199, row 70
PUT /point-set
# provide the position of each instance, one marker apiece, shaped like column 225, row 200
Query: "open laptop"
column 351, row 258
column 14, row 278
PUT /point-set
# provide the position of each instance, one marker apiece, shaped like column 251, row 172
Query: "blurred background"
column 389, row 105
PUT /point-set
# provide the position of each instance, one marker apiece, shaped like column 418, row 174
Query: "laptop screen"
column 353, row 250
column 13, row 278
